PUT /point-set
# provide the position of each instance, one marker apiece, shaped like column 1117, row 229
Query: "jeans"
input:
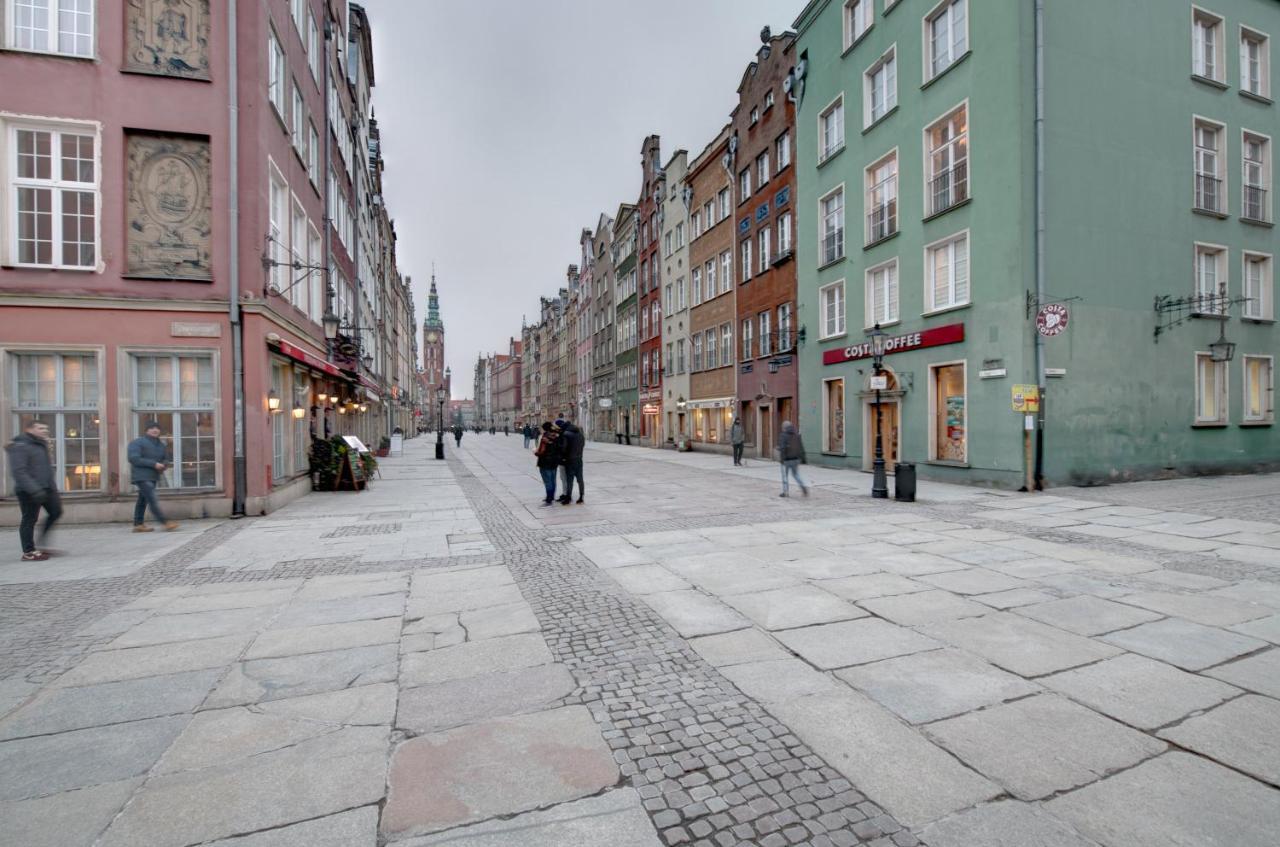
column 147, row 497
column 570, row 472
column 30, row 507
column 549, row 480
column 526, row 442
column 737, row 454
column 792, row 466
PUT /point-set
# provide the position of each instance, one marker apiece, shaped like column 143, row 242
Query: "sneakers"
column 170, row 526
column 804, row 491
column 35, row 556
column 141, row 527
column 783, row 494
column 579, row 501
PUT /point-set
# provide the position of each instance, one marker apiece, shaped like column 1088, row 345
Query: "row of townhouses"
column 193, row 232
column 1057, row 218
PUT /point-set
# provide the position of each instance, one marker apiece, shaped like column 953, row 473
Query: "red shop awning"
column 300, row 355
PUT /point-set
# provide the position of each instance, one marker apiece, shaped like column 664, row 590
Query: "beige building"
column 674, row 267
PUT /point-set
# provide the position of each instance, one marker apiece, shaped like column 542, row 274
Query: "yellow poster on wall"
column 1026, row 398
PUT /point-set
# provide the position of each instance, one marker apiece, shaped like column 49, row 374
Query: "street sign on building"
column 1026, row 398
column 1051, row 319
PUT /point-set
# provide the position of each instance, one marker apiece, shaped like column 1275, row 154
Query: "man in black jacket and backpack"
column 35, row 487
column 571, row 443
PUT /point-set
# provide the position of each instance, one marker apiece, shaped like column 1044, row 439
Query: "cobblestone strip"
column 713, row 767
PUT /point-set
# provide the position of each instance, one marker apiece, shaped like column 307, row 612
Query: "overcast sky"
column 509, row 125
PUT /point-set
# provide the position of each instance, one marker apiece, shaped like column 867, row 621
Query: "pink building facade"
column 159, row 262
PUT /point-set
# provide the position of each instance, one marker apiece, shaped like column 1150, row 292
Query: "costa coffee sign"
column 936, row 337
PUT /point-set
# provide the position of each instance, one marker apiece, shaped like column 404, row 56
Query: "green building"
column 627, row 393
column 935, row 203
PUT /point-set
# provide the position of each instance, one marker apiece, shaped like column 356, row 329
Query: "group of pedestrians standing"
column 559, row 449
column 38, row 490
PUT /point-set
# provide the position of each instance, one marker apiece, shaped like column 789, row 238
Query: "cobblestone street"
column 686, row 658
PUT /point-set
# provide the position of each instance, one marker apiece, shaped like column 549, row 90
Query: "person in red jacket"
column 548, row 454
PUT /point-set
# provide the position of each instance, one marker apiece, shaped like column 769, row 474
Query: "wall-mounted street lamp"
column 273, row 400
column 299, row 413
column 1222, row 350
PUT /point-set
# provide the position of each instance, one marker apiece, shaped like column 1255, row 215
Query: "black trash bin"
column 904, row 482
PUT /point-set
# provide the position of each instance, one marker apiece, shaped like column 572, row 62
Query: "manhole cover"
column 362, row 529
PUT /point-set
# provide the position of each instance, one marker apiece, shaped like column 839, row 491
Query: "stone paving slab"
column 828, row 567
column 464, row 600
column 311, row 673
column 470, row 579
column 1243, row 734
column 898, row 768
column 871, row 585
column 924, row 607
column 322, row 588
column 493, row 655
column 1260, row 673
column 233, row 600
column 356, row 828
column 839, row 645
column 62, row 709
column 498, row 621
column 166, row 629
column 648, row 579
column 1190, row 646
column 1031, row 569
column 445, row 705
column 314, row 778
column 1268, row 629
column 787, row 608
column 735, row 648
column 361, row 705
column 1139, row 691
column 1088, row 615
column 973, row 581
column 724, row 579
column 1025, row 647
column 295, row 641
column 1200, row 608
column 617, row 555
column 1042, row 745
column 49, row 764
column 156, row 660
column 341, row 610
column 691, row 613
column 779, row 679
column 1005, row 600
column 1252, row 591
column 1007, row 823
column 228, row 736
column 925, row 687
column 69, row 819
column 1174, row 799
column 466, row 775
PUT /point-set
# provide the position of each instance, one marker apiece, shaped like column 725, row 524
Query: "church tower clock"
column 433, row 343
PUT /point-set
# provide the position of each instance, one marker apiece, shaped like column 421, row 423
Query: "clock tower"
column 433, row 365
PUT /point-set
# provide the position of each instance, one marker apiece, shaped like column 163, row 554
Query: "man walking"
column 147, row 460
column 548, row 458
column 737, row 435
column 33, row 482
column 457, row 435
column 791, row 454
column 572, row 441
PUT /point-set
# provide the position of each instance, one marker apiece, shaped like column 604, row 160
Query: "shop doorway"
column 764, row 449
column 890, row 427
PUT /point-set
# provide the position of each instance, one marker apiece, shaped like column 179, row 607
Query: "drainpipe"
column 1040, row 238
column 239, row 469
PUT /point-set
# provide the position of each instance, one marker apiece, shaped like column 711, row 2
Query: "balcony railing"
column 882, row 222
column 1209, row 194
column 949, row 188
column 1255, row 203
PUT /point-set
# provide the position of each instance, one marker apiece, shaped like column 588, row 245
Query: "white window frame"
column 55, row 185
column 782, row 150
column 696, row 284
column 722, row 199
column 1268, row 404
column 52, row 35
column 710, row 356
column 784, row 233
column 836, row 108
column 696, row 221
column 277, row 75
column 956, row 49
column 839, row 247
column 299, row 291
column 1264, row 179
column 951, row 145
column 1260, row 304
column 744, row 184
column 1206, row 299
column 313, row 153
column 762, row 170
column 858, row 18
column 764, row 236
column 1250, row 35
column 888, row 64
column 744, row 247
column 841, row 309
column 886, row 273
column 1199, row 66
column 1200, row 196
column 726, row 344
column 786, row 327
column 881, row 195
column 315, row 48
column 1223, row 390
column 138, row 412
column 726, row 271
column 278, row 195
column 766, row 339
column 748, row 334
column 955, row 302
column 59, row 407
column 297, row 126
column 932, row 369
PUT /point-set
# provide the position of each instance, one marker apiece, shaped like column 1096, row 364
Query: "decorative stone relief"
column 168, row 207
column 167, row 38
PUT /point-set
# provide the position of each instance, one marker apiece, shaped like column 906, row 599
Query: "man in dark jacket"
column 548, row 453
column 35, row 487
column 571, row 443
column 791, row 454
column 457, row 435
column 148, row 459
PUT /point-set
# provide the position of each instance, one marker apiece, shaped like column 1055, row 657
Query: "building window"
column 1255, row 63
column 1211, row 390
column 882, row 294
column 1256, row 172
column 747, row 327
column 710, row 349
column 666, row 244
column 782, row 151
column 298, row 127
column 831, row 208
column 61, row 390
column 54, row 185
column 763, row 236
column 1211, row 279
column 858, row 17
column 296, row 279
column 882, row 198
column 681, row 302
column 680, row 235
column 696, row 223
column 762, row 168
column 946, row 35
column 278, row 212
column 50, row 26
column 315, row 258
column 947, row 273
column 680, row 360
column 744, row 184
column 276, row 73
column 710, row 270
column 1259, row 390
column 768, row 100
column 726, row 345
column 948, row 161
column 833, row 416
column 784, row 327
column 1209, row 164
column 766, row 338
column 179, row 393
column 313, row 154
column 697, row 286
column 784, row 234
column 755, row 115
column 314, row 58
column 1257, row 287
column 708, row 212
column 831, row 129
column 880, row 88
column 831, row 301
column 726, row 272
column 947, row 399
column 723, row 199
column 746, row 259
column 279, row 426
column 1206, row 46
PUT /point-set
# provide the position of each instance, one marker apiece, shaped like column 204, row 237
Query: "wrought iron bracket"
column 1174, row 311
column 1034, row 302
column 269, row 263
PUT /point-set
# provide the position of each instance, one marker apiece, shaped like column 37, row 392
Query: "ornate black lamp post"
column 879, row 483
column 440, row 422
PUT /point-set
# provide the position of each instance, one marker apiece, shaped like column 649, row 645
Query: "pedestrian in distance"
column 572, row 442
column 148, row 459
column 527, row 432
column 33, row 481
column 737, row 436
column 791, row 454
column 457, row 435
column 548, row 460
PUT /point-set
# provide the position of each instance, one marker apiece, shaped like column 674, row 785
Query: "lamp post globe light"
column 440, row 392
column 879, row 482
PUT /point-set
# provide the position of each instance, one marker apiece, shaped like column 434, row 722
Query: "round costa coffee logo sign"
column 1051, row 319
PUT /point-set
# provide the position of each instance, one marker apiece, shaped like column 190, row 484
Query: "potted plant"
column 384, row 446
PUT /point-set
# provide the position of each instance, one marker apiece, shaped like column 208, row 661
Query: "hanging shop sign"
column 1026, row 398
column 651, row 409
column 936, row 337
column 1051, row 319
